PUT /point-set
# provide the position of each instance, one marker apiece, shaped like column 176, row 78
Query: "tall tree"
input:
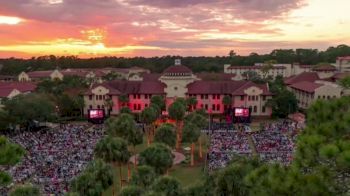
column 191, row 102
column 157, row 156
column 201, row 122
column 113, row 151
column 324, row 143
column 124, row 100
column 191, row 134
column 166, row 134
column 131, row 191
column 143, row 177
column 29, row 108
column 177, row 112
column 96, row 178
column 148, row 116
column 166, row 185
column 159, row 101
column 227, row 101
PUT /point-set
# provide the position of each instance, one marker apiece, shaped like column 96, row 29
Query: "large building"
column 311, row 86
column 343, row 64
column 87, row 73
column 9, row 90
column 284, row 70
column 179, row 81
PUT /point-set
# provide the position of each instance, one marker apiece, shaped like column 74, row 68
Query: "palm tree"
column 177, row 112
column 201, row 122
column 191, row 102
column 191, row 134
column 159, row 101
column 157, row 156
column 166, row 185
column 131, row 191
column 227, row 101
column 148, row 116
column 143, row 177
column 125, row 127
column 112, row 150
column 166, row 134
column 97, row 177
column 109, row 104
column 124, row 100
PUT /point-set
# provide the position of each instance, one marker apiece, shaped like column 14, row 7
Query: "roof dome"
column 177, row 69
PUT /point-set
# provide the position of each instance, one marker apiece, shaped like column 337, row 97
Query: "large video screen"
column 241, row 112
column 96, row 114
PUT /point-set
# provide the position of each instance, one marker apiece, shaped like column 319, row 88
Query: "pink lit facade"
column 178, row 82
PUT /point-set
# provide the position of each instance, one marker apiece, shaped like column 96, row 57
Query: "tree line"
column 13, row 66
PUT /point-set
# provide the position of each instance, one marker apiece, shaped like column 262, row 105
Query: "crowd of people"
column 275, row 142
column 224, row 145
column 54, row 156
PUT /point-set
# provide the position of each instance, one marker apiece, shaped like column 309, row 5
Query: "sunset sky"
column 92, row 28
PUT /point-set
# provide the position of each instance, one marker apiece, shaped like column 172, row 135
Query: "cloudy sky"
column 90, row 28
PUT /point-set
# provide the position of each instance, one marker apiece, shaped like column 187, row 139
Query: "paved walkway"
column 252, row 145
column 178, row 158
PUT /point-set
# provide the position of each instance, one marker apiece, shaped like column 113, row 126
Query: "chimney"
column 177, row 61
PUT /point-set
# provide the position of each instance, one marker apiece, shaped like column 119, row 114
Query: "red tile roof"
column 215, row 76
column 39, row 74
column 254, row 67
column 339, row 76
column 343, row 58
column 305, row 76
column 5, row 92
column 224, row 87
column 324, row 68
column 306, row 86
column 21, row 86
column 305, row 66
column 24, row 87
column 176, row 69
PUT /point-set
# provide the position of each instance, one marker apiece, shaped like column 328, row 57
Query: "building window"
column 214, row 96
column 135, row 107
column 96, row 97
column 255, row 109
column 248, row 98
column 90, row 97
column 218, row 107
column 139, row 107
column 100, row 97
column 90, row 106
column 257, row 98
column 206, row 106
column 103, row 106
column 324, row 97
column 218, row 96
column 242, row 98
column 201, row 106
column 139, row 96
column 98, row 106
column 263, row 109
column 146, row 105
column 206, row 96
column 213, row 107
column 253, row 98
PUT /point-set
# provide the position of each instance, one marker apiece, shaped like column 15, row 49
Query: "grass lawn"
column 187, row 175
